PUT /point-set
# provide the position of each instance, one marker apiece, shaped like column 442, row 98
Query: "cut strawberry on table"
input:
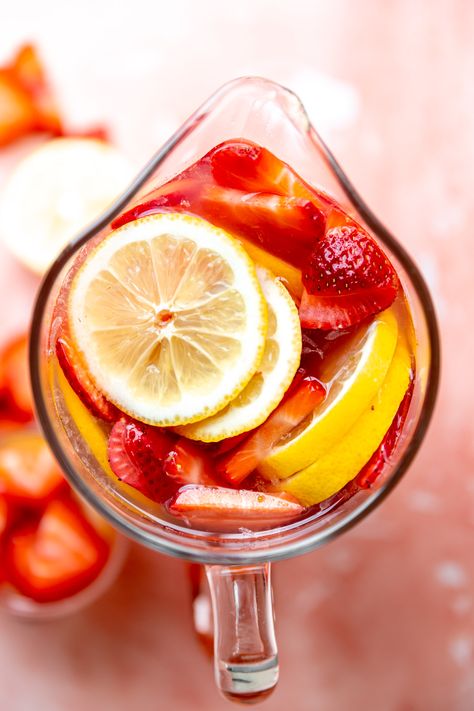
column 29, row 474
column 80, row 381
column 16, row 396
column 348, row 279
column 136, row 455
column 26, row 101
column 288, row 415
column 30, row 74
column 221, row 509
column 57, row 557
column 374, row 467
column 188, row 463
column 17, row 111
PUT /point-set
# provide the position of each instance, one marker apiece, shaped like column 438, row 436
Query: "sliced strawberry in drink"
column 374, row 467
column 16, row 395
column 188, row 463
column 285, row 226
column 348, row 279
column 57, row 557
column 136, row 455
column 81, row 382
column 247, row 166
column 288, row 415
column 29, row 474
column 221, row 509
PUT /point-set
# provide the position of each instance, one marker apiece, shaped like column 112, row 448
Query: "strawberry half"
column 29, row 474
column 246, row 458
column 136, row 455
column 57, row 557
column 16, row 396
column 188, row 463
column 81, row 382
column 375, row 466
column 221, row 509
column 348, row 279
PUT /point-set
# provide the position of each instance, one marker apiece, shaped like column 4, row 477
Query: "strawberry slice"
column 246, row 458
column 81, row 382
column 188, row 463
column 348, row 279
column 374, row 467
column 247, row 166
column 136, row 455
column 285, row 226
column 57, row 557
column 30, row 74
column 29, row 474
column 221, row 509
column 16, row 396
column 18, row 115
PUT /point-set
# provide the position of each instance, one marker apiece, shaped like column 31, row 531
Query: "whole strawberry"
column 348, row 279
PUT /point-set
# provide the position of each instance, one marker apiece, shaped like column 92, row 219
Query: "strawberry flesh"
column 347, row 280
column 226, row 510
column 136, row 455
column 29, row 474
column 81, row 382
column 57, row 557
column 246, row 458
column 16, row 398
column 375, row 466
column 188, row 463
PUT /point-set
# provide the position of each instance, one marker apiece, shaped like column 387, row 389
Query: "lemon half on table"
column 55, row 192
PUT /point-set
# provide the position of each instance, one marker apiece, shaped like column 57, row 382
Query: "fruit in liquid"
column 254, row 270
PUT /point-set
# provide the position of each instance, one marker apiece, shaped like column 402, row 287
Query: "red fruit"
column 80, row 380
column 220, row 509
column 17, row 111
column 4, row 515
column 29, row 73
column 136, row 455
column 242, row 461
column 16, row 396
column 374, row 467
column 348, row 279
column 57, row 557
column 246, row 166
column 188, row 463
column 29, row 474
column 285, row 226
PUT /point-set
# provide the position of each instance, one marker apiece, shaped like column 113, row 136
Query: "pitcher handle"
column 245, row 651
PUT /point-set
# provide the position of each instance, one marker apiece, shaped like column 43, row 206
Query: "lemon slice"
column 169, row 317
column 353, row 375
column 55, row 192
column 279, row 364
column 344, row 461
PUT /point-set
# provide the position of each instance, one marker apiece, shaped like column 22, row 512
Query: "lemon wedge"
column 353, row 375
column 170, row 318
column 55, row 192
column 344, row 461
column 279, row 364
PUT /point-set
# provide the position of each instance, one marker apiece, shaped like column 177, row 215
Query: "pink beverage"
column 322, row 405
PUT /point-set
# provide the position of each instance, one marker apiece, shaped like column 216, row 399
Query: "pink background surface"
column 383, row 618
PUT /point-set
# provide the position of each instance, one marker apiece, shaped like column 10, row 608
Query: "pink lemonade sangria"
column 236, row 351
